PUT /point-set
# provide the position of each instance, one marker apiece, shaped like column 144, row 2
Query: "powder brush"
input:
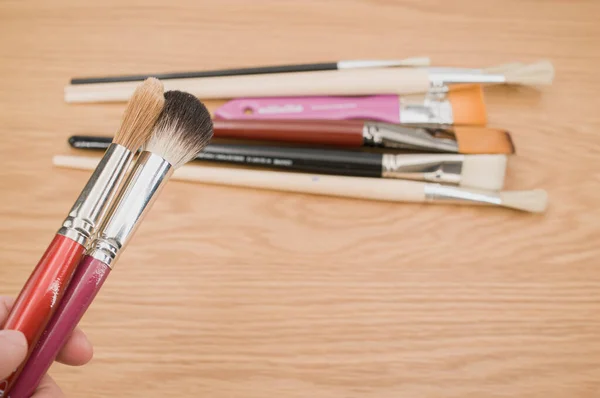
column 42, row 292
column 351, row 82
column 181, row 132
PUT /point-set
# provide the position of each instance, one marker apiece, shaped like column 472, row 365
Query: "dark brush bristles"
column 182, row 130
column 141, row 113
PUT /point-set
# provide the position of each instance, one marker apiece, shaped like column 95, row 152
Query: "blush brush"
column 182, row 131
column 46, row 285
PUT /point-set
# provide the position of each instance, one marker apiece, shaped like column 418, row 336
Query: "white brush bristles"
column 483, row 171
column 182, row 130
column 502, row 69
column 537, row 74
column 534, row 201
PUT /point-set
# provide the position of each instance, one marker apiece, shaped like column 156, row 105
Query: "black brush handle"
column 211, row 73
column 348, row 163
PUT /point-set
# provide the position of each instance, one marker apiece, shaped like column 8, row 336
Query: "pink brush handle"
column 86, row 282
column 384, row 108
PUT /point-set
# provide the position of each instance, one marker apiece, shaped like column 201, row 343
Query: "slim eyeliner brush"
column 261, row 70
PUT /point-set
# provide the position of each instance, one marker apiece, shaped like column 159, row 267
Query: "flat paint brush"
column 350, row 82
column 339, row 65
column 474, row 171
column 377, row 189
column 45, row 287
column 181, row 132
column 353, row 135
column 356, row 134
column 463, row 105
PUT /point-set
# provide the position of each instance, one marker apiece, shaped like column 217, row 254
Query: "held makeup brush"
column 350, row 82
column 459, row 106
column 347, row 64
column 45, row 287
column 378, row 189
column 474, row 171
column 181, row 132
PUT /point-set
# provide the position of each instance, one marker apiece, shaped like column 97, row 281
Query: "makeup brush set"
column 397, row 131
column 390, row 130
column 165, row 130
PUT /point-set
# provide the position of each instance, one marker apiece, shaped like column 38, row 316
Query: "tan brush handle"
column 340, row 82
column 349, row 187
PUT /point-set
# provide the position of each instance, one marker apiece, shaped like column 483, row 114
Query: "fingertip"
column 77, row 351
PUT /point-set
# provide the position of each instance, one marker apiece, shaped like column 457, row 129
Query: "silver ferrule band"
column 405, row 137
column 444, row 193
column 441, row 168
column 428, row 111
column 92, row 203
column 443, row 77
column 367, row 63
column 144, row 183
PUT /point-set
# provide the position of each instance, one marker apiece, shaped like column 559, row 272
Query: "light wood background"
column 231, row 293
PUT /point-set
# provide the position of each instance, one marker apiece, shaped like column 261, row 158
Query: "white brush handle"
column 534, row 201
column 339, row 82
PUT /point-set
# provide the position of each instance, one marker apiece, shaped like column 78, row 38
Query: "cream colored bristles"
column 141, row 113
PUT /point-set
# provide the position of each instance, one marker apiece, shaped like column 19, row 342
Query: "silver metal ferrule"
column 92, row 203
column 368, row 63
column 433, row 109
column 441, row 168
column 444, row 193
column 388, row 135
column 457, row 76
column 144, row 183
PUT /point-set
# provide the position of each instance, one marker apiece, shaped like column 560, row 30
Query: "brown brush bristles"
column 182, row 130
column 481, row 140
column 141, row 114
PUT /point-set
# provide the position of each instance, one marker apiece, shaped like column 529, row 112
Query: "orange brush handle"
column 43, row 291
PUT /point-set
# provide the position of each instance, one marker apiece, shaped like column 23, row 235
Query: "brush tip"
column 483, row 140
column 537, row 74
column 534, row 201
column 182, row 130
column 484, row 171
column 141, row 113
column 468, row 105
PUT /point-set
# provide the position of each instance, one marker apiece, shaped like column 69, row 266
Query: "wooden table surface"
column 227, row 292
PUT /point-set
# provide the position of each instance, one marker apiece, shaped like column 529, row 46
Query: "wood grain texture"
column 231, row 293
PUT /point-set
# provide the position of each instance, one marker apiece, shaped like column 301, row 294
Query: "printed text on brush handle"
column 352, row 163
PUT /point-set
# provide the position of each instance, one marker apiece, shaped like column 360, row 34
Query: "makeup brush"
column 377, row 189
column 462, row 105
column 347, row 64
column 474, row 171
column 44, row 289
column 351, row 82
column 181, row 132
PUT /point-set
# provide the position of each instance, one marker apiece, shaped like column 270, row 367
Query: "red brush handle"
column 339, row 133
column 43, row 291
column 85, row 284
